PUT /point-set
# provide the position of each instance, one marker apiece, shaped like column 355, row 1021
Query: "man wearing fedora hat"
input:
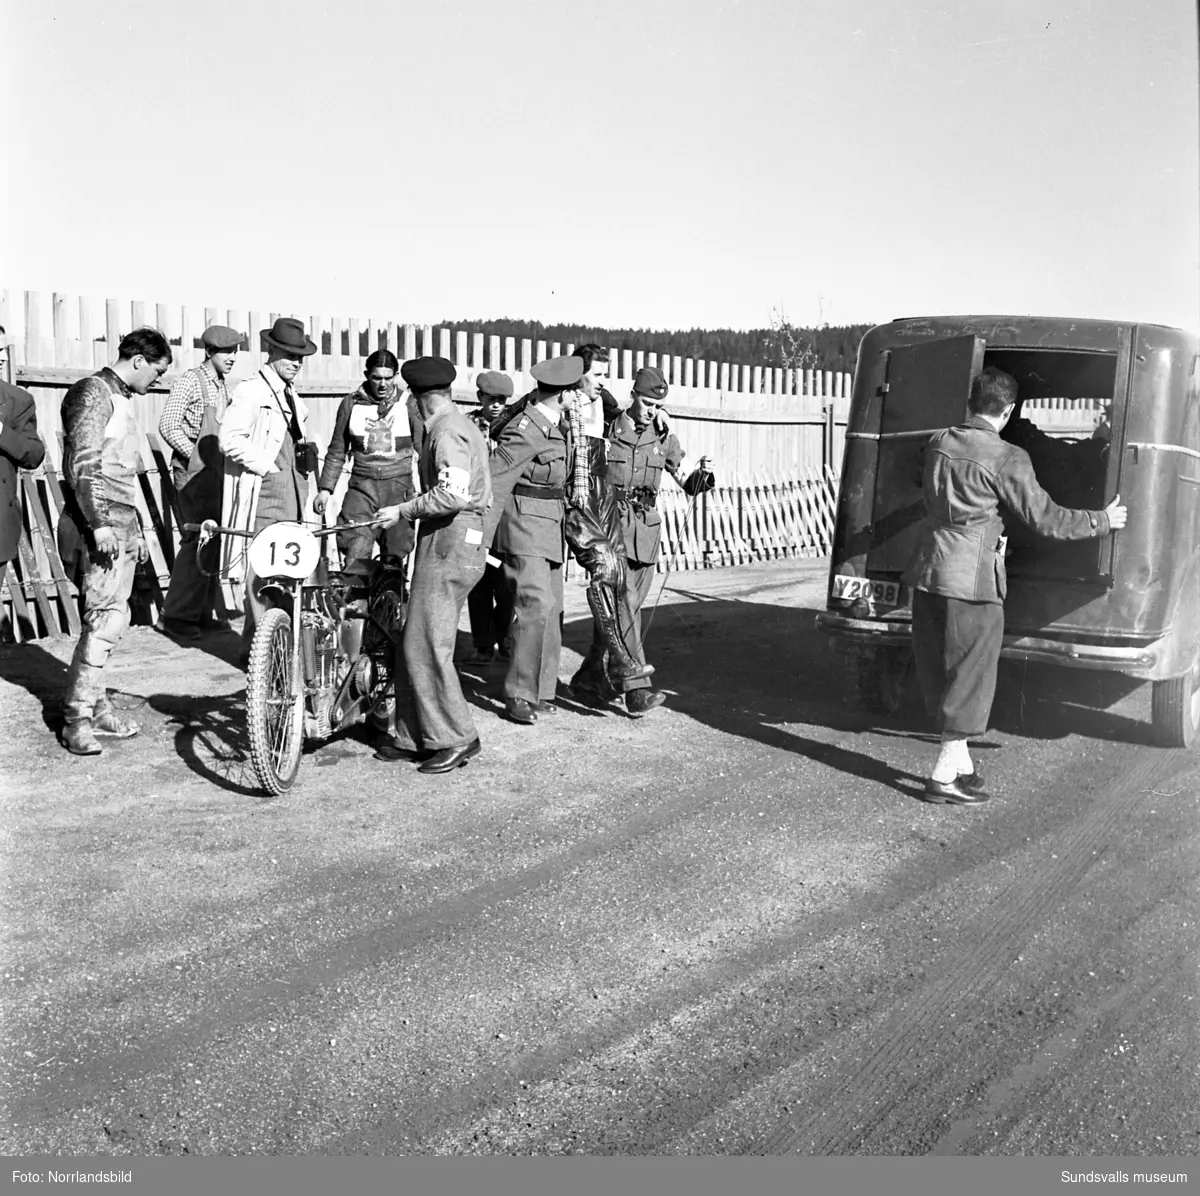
column 268, row 457
column 190, row 423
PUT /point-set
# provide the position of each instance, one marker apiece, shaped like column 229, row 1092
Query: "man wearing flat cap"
column 268, row 457
column 640, row 447
column 487, row 604
column 433, row 720
column 190, row 425
column 530, row 467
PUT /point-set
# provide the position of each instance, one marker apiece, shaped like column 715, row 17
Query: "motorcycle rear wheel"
column 274, row 704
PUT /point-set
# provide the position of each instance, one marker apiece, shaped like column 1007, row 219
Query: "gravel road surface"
column 728, row 927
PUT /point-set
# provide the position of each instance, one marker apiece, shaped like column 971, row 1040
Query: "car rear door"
column 926, row 389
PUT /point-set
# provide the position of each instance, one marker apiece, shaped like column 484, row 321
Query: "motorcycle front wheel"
column 274, row 705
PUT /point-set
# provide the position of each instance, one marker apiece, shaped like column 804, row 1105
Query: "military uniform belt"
column 639, row 496
column 527, row 490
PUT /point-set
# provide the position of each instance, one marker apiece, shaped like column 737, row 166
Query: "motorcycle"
column 321, row 657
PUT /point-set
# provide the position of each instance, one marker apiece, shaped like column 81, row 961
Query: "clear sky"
column 660, row 163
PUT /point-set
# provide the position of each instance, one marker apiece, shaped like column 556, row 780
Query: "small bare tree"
column 795, row 346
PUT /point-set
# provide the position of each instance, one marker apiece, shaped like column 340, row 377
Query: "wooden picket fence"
column 773, row 519
column 770, row 520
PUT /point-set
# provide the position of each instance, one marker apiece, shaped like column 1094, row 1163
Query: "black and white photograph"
column 600, row 581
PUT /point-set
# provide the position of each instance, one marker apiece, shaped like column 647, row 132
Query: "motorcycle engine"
column 319, row 654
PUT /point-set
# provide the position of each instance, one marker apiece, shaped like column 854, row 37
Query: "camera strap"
column 290, row 416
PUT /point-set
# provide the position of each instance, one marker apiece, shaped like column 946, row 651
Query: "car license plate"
column 875, row 593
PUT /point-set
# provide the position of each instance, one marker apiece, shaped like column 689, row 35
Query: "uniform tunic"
column 635, row 464
column 957, row 569
column 431, row 712
column 529, row 472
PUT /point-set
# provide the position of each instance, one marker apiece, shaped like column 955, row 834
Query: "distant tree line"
column 826, row 348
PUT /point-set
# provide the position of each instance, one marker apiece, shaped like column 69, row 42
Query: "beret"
column 428, row 373
column 220, row 337
column 648, row 381
column 493, row 383
column 558, row 371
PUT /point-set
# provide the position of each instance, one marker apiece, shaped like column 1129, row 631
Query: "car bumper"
column 1141, row 660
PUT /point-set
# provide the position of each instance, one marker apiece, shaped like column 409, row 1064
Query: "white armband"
column 455, row 481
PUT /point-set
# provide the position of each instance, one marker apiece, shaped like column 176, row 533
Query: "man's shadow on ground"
column 746, row 668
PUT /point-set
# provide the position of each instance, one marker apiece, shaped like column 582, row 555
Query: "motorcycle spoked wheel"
column 274, row 705
column 388, row 610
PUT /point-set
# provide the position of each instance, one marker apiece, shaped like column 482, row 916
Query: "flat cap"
column 428, row 373
column 648, row 381
column 219, row 337
column 493, row 383
column 558, row 371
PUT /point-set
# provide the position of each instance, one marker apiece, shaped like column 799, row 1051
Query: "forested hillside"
column 825, row 348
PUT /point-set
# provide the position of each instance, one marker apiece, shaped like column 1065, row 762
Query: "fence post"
column 827, row 437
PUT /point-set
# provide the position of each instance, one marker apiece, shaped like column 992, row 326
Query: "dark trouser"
column 957, row 649
column 535, row 590
column 489, row 610
column 639, row 578
column 192, row 596
column 106, row 587
column 281, row 499
column 363, row 499
column 431, row 712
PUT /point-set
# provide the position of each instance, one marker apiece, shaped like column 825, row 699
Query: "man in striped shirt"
column 189, row 423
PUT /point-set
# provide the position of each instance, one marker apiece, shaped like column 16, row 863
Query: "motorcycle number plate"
column 284, row 550
column 876, row 593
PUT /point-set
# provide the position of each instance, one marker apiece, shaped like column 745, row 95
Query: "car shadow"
column 761, row 670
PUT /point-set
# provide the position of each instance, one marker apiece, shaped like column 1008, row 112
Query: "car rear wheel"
column 1175, row 707
column 882, row 675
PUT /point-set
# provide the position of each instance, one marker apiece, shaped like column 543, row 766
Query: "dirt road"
column 727, row 927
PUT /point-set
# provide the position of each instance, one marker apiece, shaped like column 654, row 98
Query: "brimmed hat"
column 287, row 334
column 219, row 338
column 494, row 384
column 428, row 373
column 558, row 372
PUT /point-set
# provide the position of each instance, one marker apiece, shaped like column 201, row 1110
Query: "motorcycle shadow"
column 212, row 740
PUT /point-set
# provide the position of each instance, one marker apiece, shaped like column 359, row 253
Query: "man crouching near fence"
column 99, row 538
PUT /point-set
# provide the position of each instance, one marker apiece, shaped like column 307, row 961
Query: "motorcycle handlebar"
column 209, row 529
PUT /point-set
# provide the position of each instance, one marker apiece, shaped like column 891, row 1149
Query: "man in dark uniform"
column 957, row 571
column 487, row 603
column 190, row 424
column 432, row 716
column 640, row 447
column 529, row 474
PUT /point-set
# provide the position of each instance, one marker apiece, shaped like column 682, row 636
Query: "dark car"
column 1128, row 603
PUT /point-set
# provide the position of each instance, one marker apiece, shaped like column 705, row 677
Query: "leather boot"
column 79, row 739
column 106, row 721
column 621, row 666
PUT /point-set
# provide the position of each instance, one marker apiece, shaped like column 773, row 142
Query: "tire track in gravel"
column 1081, row 1039
column 913, row 1035
column 361, row 950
